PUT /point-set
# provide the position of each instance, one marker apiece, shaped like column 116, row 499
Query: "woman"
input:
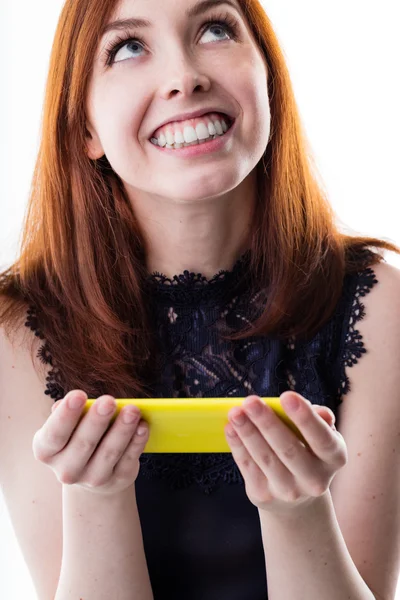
column 158, row 265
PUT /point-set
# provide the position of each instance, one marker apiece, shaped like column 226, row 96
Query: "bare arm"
column 308, row 557
column 348, row 546
column 103, row 555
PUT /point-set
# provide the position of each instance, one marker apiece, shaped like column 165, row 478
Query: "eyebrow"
column 194, row 11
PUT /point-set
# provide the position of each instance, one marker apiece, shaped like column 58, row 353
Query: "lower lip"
column 211, row 146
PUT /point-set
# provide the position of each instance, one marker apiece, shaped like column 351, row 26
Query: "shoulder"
column 376, row 317
column 388, row 276
column 369, row 313
column 19, row 356
column 382, row 309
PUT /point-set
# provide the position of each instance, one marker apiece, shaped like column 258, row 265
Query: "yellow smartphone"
column 190, row 424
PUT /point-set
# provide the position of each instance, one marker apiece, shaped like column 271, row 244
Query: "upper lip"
column 192, row 115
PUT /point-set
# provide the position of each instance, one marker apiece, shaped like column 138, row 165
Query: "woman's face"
column 180, row 66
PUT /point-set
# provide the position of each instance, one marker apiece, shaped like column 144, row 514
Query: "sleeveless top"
column 201, row 534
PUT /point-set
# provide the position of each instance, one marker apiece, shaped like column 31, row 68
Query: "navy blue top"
column 202, row 535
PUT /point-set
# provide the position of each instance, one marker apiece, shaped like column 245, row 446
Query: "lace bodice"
column 190, row 311
column 193, row 507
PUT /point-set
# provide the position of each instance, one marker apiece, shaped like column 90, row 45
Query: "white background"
column 343, row 58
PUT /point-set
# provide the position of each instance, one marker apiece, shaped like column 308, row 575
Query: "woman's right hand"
column 80, row 455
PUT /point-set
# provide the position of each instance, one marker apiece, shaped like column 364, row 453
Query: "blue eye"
column 227, row 23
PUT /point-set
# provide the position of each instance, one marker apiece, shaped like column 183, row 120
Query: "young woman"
column 178, row 244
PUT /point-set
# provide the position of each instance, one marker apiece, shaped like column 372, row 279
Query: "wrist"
column 85, row 494
column 311, row 508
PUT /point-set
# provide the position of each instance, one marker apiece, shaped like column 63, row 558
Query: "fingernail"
column 239, row 419
column 291, row 402
column 105, row 407
column 76, row 401
column 254, row 408
column 129, row 416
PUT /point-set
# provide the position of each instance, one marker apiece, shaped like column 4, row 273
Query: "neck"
column 201, row 236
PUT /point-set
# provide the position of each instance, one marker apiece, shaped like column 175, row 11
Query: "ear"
column 93, row 145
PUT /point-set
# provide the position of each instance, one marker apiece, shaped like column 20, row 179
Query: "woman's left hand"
column 281, row 474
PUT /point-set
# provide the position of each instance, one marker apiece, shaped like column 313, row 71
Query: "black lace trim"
column 352, row 344
column 54, row 386
column 180, row 471
column 190, row 288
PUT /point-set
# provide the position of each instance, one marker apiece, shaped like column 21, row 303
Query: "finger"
column 327, row 417
column 52, row 437
column 55, row 405
column 273, row 454
column 247, row 466
column 322, row 440
column 326, row 413
column 111, row 449
column 123, row 468
column 85, row 439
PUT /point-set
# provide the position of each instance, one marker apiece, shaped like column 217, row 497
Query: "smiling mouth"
column 229, row 124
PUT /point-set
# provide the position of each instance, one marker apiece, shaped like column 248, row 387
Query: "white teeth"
column 211, row 128
column 218, row 127
column 162, row 140
column 170, row 138
column 179, row 139
column 202, row 132
column 190, row 134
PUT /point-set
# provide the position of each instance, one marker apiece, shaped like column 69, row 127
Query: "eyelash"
column 225, row 21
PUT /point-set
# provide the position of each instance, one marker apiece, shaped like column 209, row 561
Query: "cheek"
column 256, row 125
column 251, row 93
column 266, row 122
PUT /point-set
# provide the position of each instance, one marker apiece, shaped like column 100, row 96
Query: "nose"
column 185, row 84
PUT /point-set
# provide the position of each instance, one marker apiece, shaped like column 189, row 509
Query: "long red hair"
column 82, row 260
